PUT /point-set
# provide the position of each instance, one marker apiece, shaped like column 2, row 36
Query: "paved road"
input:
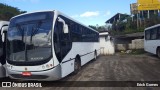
column 116, row 68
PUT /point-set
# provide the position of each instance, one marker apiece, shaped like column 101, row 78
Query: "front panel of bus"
column 29, row 45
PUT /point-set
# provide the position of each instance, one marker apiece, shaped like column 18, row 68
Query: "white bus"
column 152, row 40
column 3, row 30
column 48, row 45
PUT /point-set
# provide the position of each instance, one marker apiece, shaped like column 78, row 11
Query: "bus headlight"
column 47, row 66
column 43, row 67
column 51, row 65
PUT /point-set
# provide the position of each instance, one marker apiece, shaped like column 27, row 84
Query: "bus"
column 48, row 45
column 3, row 30
column 152, row 40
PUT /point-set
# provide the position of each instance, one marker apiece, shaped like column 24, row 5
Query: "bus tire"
column 158, row 52
column 77, row 65
column 95, row 55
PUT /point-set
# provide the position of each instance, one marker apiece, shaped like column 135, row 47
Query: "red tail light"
column 26, row 73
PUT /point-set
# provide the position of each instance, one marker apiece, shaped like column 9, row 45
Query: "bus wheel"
column 95, row 55
column 77, row 65
column 158, row 52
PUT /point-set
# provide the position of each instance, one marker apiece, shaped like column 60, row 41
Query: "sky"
column 88, row 12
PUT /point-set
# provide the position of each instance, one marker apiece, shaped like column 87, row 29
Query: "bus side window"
column 158, row 33
column 154, row 33
column 66, row 43
column 62, row 42
column 147, row 34
column 76, row 33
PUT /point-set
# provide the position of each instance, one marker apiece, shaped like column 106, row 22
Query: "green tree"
column 99, row 28
column 93, row 27
column 7, row 12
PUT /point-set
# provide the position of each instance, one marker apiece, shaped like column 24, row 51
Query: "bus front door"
column 3, row 51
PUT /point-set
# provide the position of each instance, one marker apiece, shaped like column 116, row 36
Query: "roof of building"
column 133, row 35
column 103, row 33
column 117, row 17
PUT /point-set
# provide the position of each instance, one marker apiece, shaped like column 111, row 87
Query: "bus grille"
column 18, row 76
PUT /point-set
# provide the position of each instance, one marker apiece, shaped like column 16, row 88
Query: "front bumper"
column 47, row 75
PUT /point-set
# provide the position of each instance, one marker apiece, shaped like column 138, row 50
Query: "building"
column 106, row 44
column 117, row 18
column 129, row 41
column 144, row 13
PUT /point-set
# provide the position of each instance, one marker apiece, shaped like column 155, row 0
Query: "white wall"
column 107, row 46
column 135, row 44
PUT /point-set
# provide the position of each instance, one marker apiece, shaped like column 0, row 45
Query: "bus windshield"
column 29, row 38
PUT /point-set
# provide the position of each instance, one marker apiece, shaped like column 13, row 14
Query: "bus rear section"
column 48, row 46
column 3, row 30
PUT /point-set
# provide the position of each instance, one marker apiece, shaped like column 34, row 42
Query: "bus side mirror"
column 4, row 29
column 65, row 26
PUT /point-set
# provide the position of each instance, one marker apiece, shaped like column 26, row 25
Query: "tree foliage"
column 133, row 25
column 99, row 28
column 93, row 27
column 7, row 12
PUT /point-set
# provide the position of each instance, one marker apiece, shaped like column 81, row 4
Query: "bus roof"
column 58, row 13
column 30, row 13
column 153, row 26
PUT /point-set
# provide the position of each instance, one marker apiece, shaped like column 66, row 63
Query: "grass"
column 137, row 52
column 133, row 52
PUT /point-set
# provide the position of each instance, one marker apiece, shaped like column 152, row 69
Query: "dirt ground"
column 120, row 68
column 145, row 67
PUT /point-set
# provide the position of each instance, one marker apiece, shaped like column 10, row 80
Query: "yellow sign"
column 148, row 4
column 133, row 8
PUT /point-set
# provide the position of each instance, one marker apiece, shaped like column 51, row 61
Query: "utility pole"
column 138, row 20
column 148, row 14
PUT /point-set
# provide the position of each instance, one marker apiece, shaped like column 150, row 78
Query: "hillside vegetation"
column 7, row 12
